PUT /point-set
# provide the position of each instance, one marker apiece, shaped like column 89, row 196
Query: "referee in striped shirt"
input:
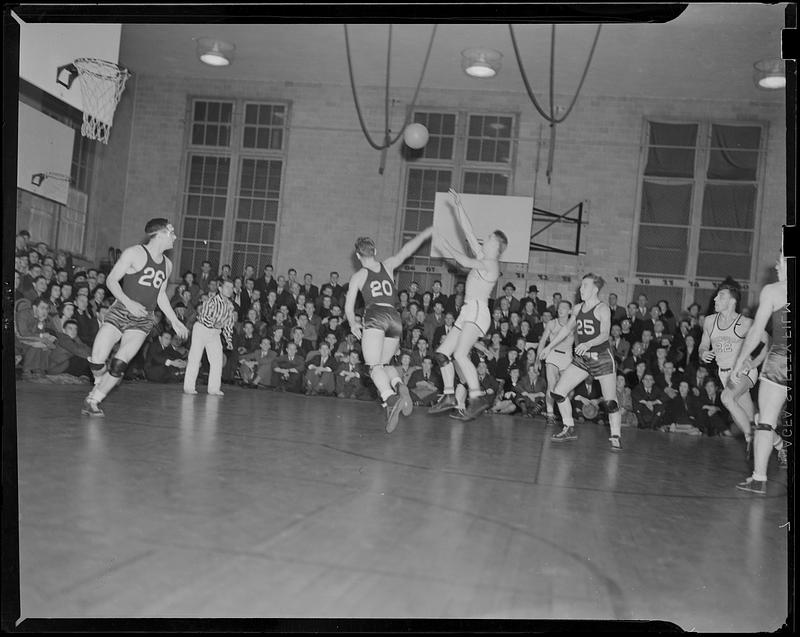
column 216, row 315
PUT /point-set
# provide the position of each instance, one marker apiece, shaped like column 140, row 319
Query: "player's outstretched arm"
column 356, row 283
column 449, row 250
column 166, row 306
column 562, row 333
column 393, row 262
column 466, row 225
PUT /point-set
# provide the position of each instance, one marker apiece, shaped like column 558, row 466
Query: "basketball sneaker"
column 445, row 403
column 91, row 408
column 567, row 433
column 616, row 443
column 477, row 405
column 459, row 414
column 753, row 486
column 393, row 406
column 405, row 397
column 783, row 460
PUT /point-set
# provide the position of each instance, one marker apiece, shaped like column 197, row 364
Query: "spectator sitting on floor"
column 349, row 378
column 506, row 362
column 70, row 355
column 406, row 369
column 420, row 351
column 532, row 388
column 587, row 401
column 487, row 382
column 319, row 377
column 425, row 384
column 668, row 379
column 648, row 403
column 712, row 420
column 625, row 402
column 36, row 337
column 66, row 313
column 682, row 413
column 288, row 370
column 255, row 367
column 87, row 324
column 699, row 380
column 163, row 364
column 510, row 394
column 303, row 347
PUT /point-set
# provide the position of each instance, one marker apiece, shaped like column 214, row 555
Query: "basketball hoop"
column 102, row 84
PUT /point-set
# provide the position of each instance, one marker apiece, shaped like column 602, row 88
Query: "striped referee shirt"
column 217, row 313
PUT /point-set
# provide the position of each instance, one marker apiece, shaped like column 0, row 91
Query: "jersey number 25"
column 585, row 327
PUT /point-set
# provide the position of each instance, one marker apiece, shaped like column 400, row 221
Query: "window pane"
column 673, row 134
column 669, row 162
column 666, row 203
column 729, row 206
column 735, row 137
column 726, row 241
column 733, row 164
column 718, row 266
column 662, row 250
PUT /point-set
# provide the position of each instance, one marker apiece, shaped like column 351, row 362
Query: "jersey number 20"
column 152, row 277
column 586, row 327
column 377, row 288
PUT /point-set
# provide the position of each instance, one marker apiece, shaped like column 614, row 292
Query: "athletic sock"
column 449, row 391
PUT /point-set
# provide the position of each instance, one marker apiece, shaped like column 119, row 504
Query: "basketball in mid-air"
column 415, row 136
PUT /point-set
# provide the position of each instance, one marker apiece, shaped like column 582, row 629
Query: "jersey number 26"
column 152, row 277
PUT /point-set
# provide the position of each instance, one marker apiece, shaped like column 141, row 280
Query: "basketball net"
column 102, row 84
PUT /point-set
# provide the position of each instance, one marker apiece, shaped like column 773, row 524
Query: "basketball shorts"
column 775, row 369
column 596, row 363
column 383, row 318
column 119, row 316
column 474, row 311
column 725, row 376
column 561, row 358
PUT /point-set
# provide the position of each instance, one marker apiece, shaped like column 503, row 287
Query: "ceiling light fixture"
column 214, row 52
column 480, row 62
column 770, row 74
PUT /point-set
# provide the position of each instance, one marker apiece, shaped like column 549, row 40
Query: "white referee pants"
column 204, row 339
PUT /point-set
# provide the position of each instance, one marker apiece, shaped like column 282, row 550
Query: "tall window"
column 471, row 152
column 698, row 208
column 235, row 160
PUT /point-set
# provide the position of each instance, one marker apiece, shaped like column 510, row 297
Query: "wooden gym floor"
column 260, row 504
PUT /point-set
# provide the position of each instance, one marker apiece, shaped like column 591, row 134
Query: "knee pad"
column 557, row 398
column 98, row 369
column 442, row 359
column 612, row 406
column 117, row 367
column 762, row 426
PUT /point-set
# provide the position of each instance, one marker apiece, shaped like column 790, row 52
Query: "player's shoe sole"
column 393, row 407
column 405, row 398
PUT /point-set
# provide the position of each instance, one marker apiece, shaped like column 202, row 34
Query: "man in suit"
column 620, row 348
column 349, row 378
column 319, row 378
column 163, row 364
column 288, row 370
column 443, row 330
column 205, row 276
column 539, row 304
column 255, row 367
column 513, row 302
column 87, row 325
column 636, row 322
column 414, row 293
column 450, row 306
column 437, row 294
column 337, row 291
column 425, row 384
column 434, row 321
column 310, row 290
column 617, row 311
column 648, row 403
column 266, row 282
column 70, row 354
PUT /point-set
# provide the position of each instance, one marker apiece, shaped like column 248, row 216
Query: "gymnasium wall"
column 333, row 192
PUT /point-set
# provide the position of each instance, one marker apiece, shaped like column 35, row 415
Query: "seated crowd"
column 292, row 336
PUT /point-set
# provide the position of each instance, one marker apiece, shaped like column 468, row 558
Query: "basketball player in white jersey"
column 723, row 335
column 559, row 358
column 773, row 387
column 138, row 282
column 474, row 318
column 591, row 323
column 382, row 328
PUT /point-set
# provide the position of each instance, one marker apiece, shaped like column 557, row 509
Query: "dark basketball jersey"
column 588, row 327
column 144, row 285
column 378, row 288
column 779, row 331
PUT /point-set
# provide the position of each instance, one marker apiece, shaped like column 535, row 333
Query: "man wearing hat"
column 533, row 295
column 513, row 302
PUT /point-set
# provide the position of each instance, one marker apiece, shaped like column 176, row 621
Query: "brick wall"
column 332, row 190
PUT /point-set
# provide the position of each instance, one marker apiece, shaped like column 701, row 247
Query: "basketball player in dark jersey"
column 138, row 282
column 382, row 329
column 591, row 321
column 774, row 380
